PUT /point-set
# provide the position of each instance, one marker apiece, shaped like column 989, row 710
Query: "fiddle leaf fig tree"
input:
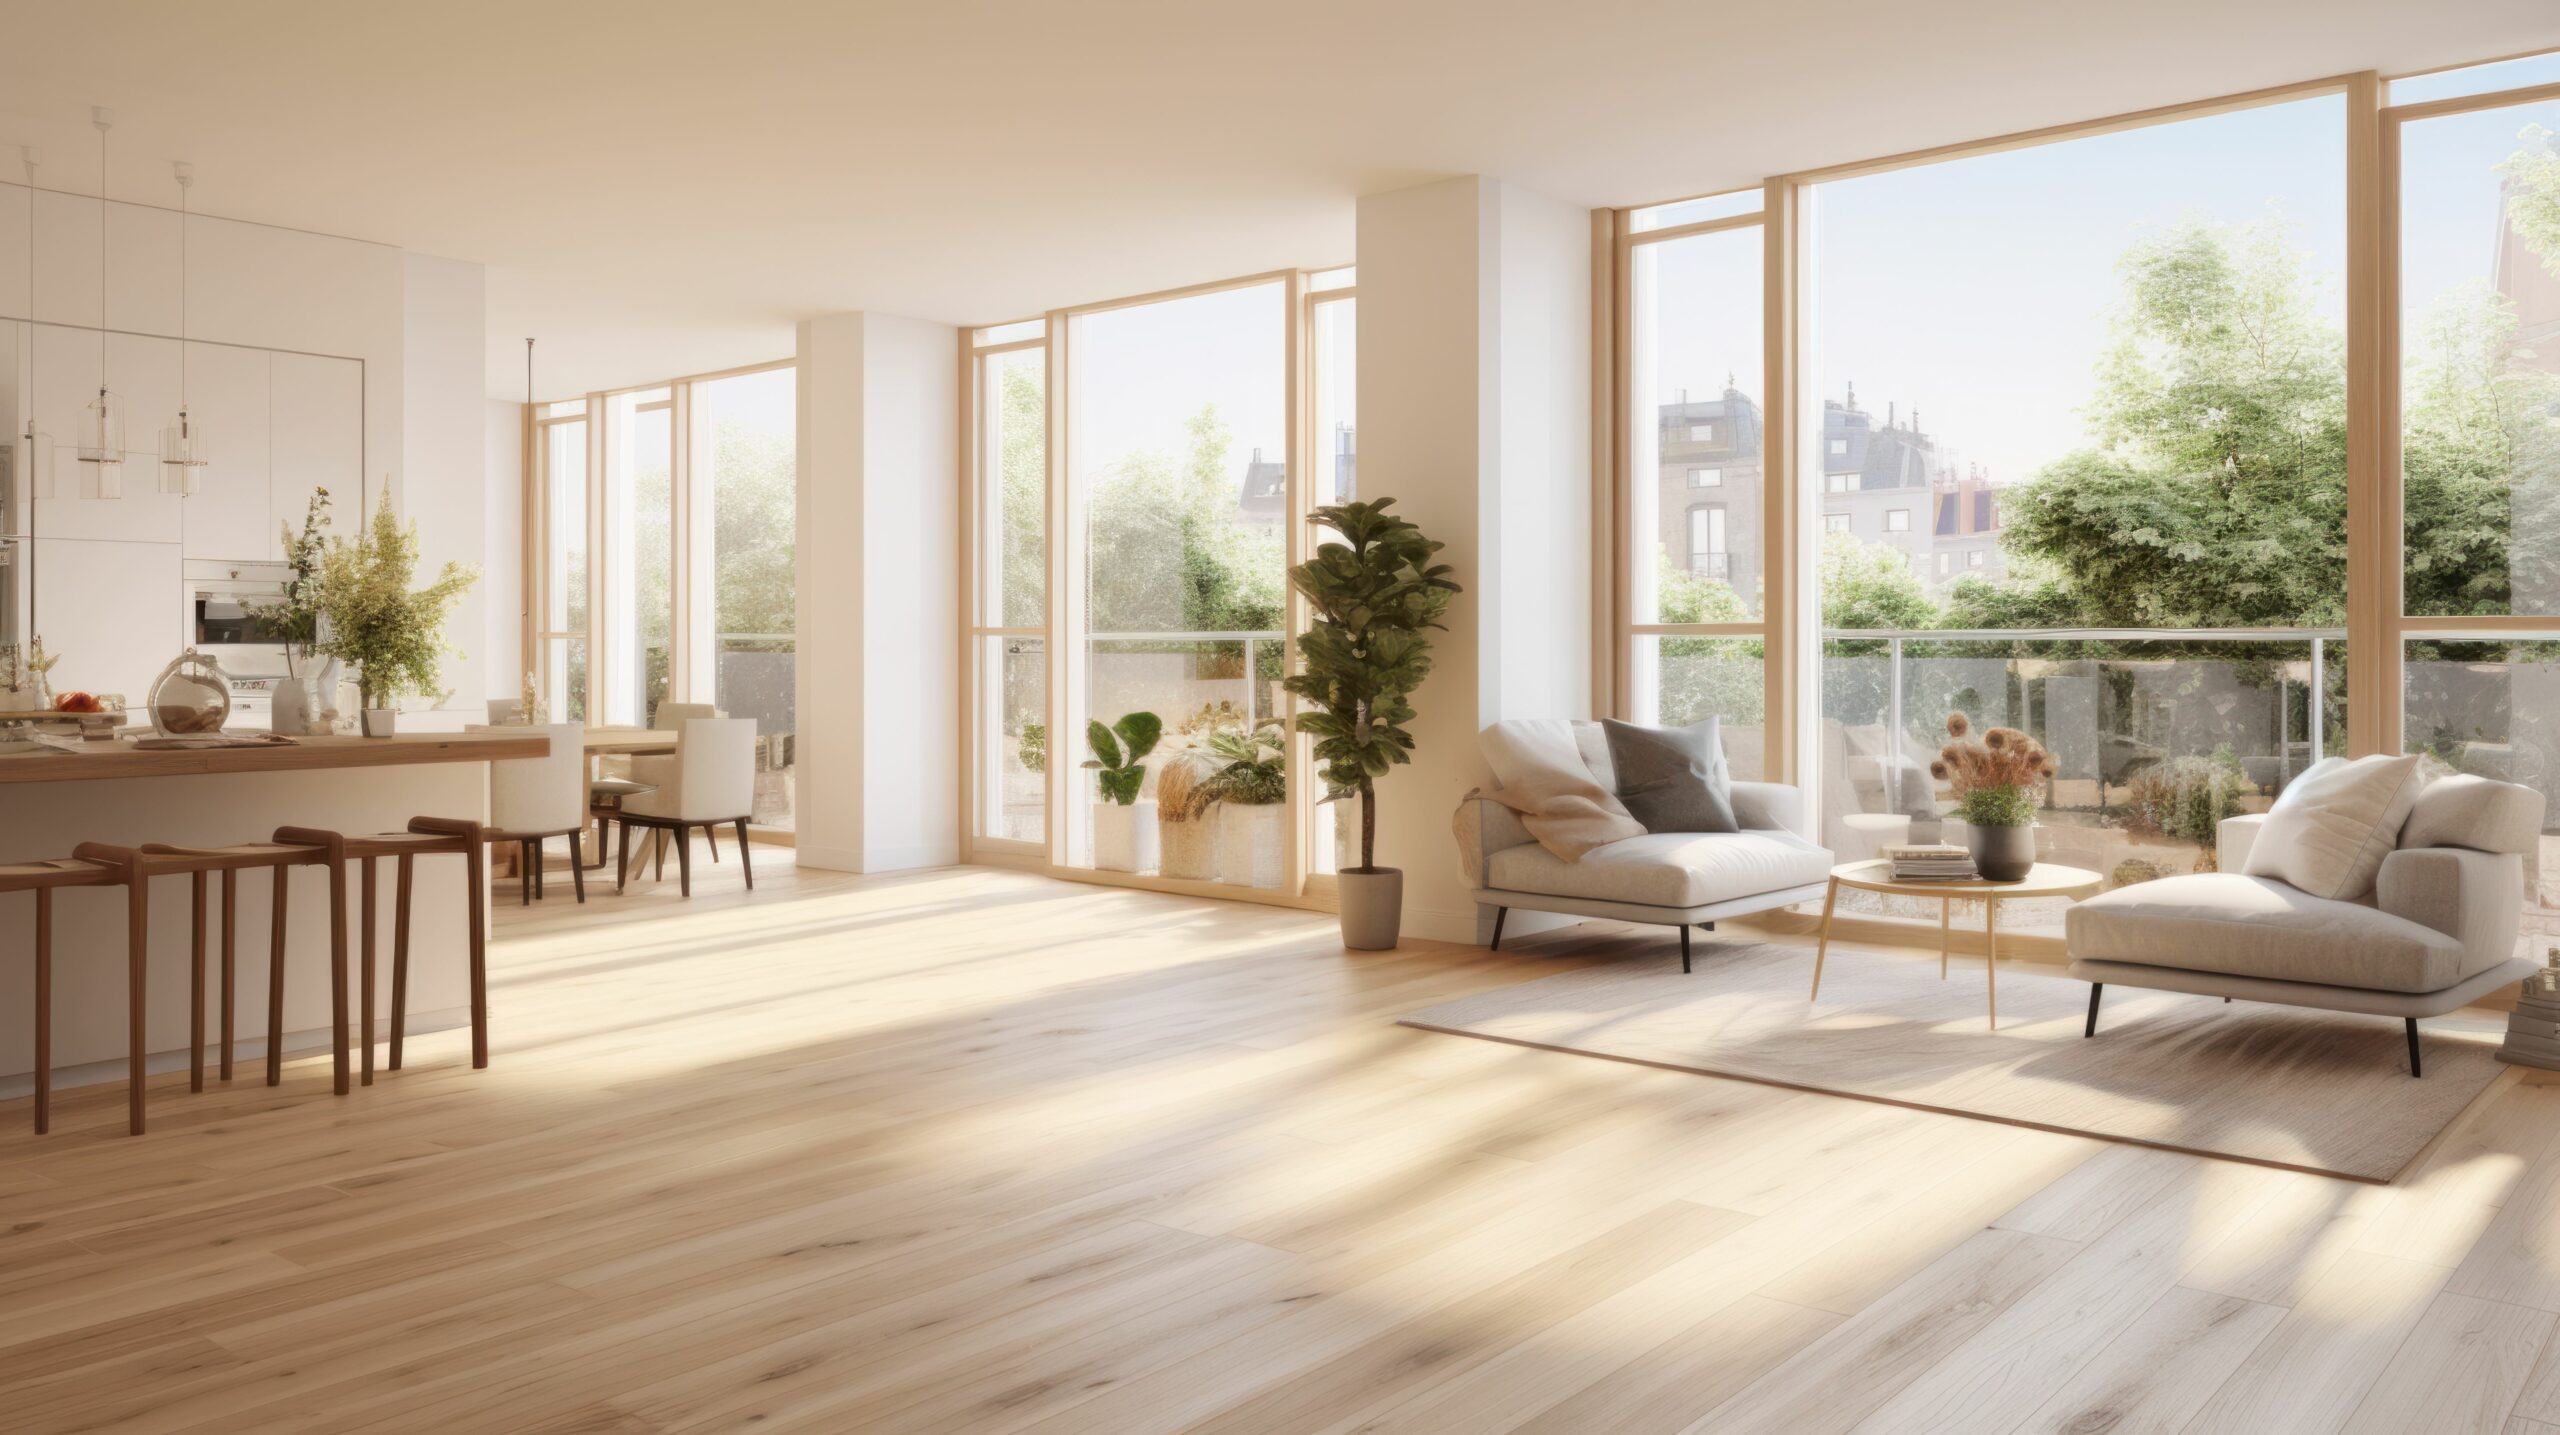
column 1374, row 590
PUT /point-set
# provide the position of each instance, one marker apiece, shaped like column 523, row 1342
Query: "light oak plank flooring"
column 976, row 1151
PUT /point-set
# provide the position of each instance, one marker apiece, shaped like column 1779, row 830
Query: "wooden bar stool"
column 43, row 879
column 426, row 837
column 136, row 867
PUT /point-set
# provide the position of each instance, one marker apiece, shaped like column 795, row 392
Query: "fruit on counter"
column 77, row 702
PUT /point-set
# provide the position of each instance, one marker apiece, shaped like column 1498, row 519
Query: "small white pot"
column 1124, row 838
column 1250, row 839
column 381, row 722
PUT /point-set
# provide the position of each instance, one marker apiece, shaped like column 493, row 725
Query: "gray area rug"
column 2311, row 1091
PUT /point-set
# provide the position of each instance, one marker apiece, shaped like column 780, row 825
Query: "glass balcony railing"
column 2159, row 735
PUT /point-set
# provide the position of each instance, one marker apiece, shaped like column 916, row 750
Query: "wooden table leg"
column 1944, row 903
column 365, row 950
column 1991, row 956
column 1822, row 945
column 195, row 986
column 230, row 961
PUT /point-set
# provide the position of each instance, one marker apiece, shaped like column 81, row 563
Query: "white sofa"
column 1671, row 879
column 2438, row 932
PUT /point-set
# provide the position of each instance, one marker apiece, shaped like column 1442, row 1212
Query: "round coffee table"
column 2046, row 880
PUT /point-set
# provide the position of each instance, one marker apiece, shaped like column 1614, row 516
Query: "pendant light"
column 38, row 450
column 182, row 444
column 102, row 424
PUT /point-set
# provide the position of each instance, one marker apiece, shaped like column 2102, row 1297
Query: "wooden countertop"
column 113, row 760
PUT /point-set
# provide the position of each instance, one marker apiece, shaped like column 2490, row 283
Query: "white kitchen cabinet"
column 143, row 372
column 232, row 514
column 115, row 613
column 316, row 433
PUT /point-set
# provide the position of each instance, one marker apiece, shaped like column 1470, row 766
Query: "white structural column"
column 879, row 594
column 443, row 451
column 1475, row 416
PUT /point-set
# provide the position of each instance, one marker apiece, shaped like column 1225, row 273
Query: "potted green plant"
column 1373, row 592
column 303, row 702
column 1994, row 778
column 1124, row 825
column 393, row 634
column 1247, row 790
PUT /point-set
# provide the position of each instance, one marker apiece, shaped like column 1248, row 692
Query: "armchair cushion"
column 2461, row 810
column 2248, row 926
column 2330, row 830
column 1672, row 779
column 1484, row 827
column 1666, row 869
column 1542, row 775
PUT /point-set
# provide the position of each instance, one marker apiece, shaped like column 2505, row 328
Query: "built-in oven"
column 229, row 599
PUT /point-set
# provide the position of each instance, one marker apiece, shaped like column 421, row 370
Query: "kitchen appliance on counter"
column 224, row 625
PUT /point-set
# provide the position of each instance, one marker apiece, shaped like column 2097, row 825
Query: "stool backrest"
column 715, row 769
column 541, row 794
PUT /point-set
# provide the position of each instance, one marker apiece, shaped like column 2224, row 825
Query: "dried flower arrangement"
column 1993, row 776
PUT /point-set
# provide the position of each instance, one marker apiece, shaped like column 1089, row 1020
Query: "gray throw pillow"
column 1673, row 779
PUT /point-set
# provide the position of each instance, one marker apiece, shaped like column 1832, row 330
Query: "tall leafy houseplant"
column 1374, row 591
column 394, row 634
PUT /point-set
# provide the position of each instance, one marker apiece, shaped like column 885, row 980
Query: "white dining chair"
column 656, row 769
column 710, row 783
column 534, row 799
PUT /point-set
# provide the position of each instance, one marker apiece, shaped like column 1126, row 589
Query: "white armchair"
column 1673, row 879
column 709, row 782
column 2436, row 932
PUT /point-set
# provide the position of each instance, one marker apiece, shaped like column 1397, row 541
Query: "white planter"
column 381, row 722
column 1250, row 840
column 1190, row 848
column 1124, row 838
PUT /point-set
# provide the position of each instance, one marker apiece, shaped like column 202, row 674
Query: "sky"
column 1980, row 290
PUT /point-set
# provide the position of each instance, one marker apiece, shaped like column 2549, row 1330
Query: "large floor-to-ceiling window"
column 662, row 549
column 2475, row 329
column 2139, row 435
column 1697, row 583
column 2077, row 441
column 1139, row 473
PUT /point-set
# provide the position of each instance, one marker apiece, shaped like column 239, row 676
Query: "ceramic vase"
column 2002, row 854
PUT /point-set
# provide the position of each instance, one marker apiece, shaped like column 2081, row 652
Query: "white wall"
column 878, row 672
column 1475, row 417
column 443, row 453
column 502, row 570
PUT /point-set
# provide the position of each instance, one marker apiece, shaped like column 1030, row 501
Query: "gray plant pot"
column 2002, row 854
column 1372, row 908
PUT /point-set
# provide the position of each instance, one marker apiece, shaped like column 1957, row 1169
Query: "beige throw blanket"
column 1543, row 776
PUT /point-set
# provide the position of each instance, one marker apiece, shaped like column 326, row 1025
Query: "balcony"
column 2159, row 735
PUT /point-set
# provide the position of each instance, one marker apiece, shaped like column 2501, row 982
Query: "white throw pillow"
column 2329, row 832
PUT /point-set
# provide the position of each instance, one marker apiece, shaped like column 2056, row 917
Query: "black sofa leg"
column 2413, row 1047
column 1498, row 914
column 1684, row 950
column 2092, row 1028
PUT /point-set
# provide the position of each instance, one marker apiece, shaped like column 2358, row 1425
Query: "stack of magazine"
column 1930, row 862
column 2533, row 1028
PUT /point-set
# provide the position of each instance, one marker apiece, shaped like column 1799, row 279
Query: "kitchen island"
column 50, row 802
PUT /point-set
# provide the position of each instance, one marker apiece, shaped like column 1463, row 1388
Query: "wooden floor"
column 975, row 1151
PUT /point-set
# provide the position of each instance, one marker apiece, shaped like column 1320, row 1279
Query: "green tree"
column 2533, row 194
column 1022, row 480
column 1169, row 549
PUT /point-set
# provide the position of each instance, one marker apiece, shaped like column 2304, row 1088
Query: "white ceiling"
column 663, row 186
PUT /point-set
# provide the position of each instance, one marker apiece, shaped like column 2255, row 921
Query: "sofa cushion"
column 1672, row 779
column 1668, row 869
column 2255, row 927
column 2330, row 830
